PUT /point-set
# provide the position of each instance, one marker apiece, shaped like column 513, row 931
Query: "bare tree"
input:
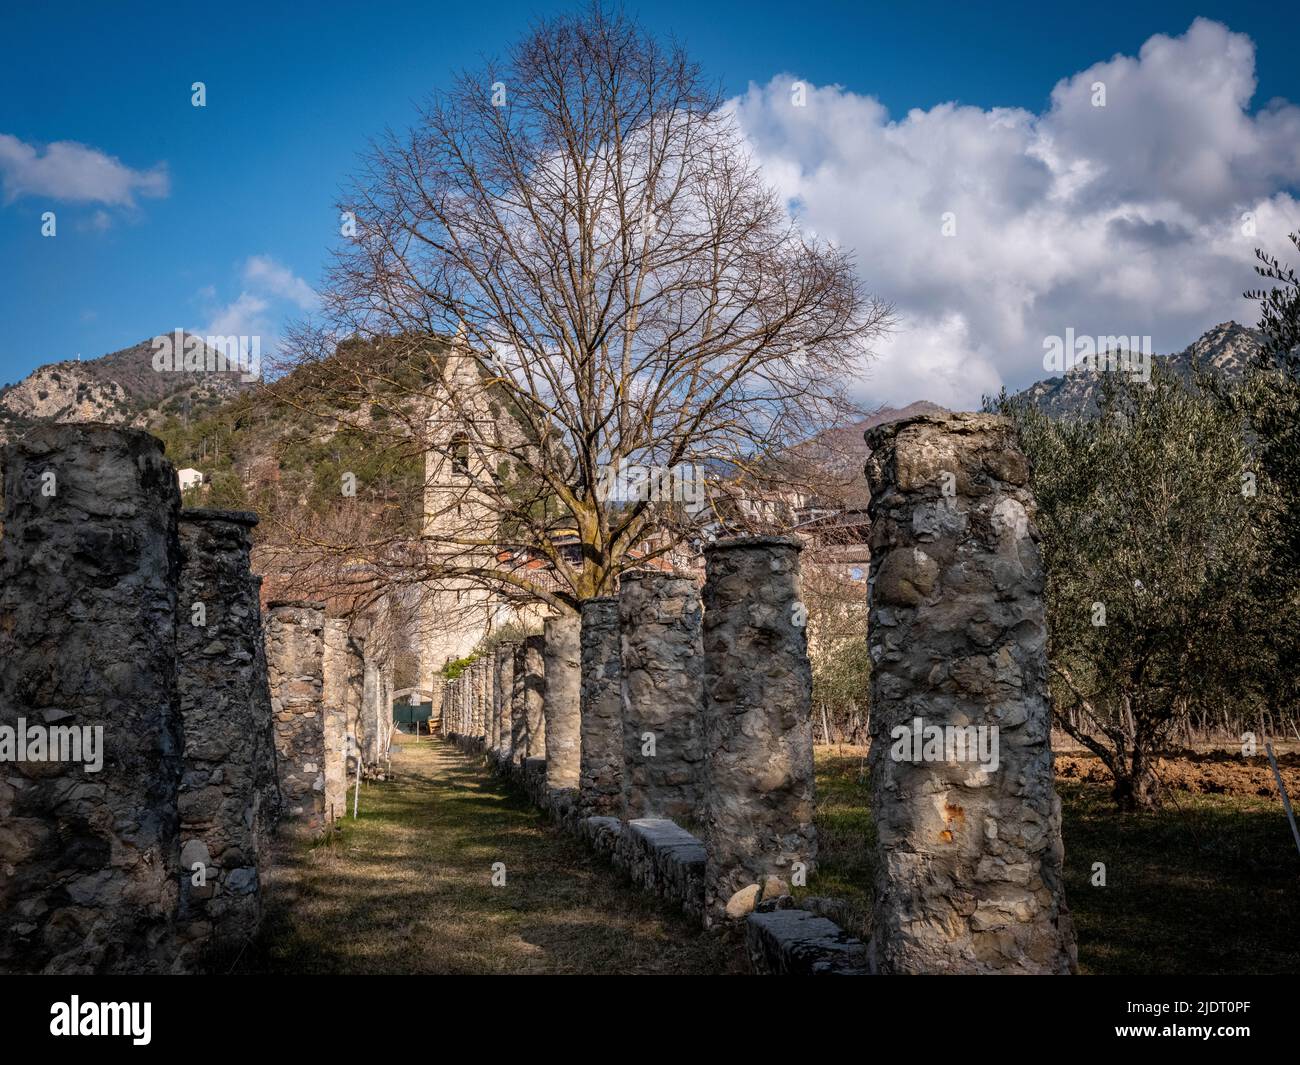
column 623, row 288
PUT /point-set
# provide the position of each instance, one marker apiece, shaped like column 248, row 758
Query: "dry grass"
column 407, row 888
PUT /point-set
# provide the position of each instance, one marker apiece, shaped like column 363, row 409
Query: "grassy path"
column 406, row 888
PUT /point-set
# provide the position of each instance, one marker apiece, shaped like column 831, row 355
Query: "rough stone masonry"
column 229, row 750
column 88, row 822
column 533, row 695
column 969, row 850
column 342, row 694
column 503, row 697
column 758, row 737
column 600, row 787
column 663, row 672
column 295, row 650
column 563, row 699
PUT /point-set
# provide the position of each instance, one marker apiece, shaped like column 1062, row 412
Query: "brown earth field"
column 1205, row 770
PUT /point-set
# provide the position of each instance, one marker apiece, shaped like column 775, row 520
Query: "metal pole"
column 1286, row 799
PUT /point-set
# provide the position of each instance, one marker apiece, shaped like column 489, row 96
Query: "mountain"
column 122, row 387
column 1227, row 349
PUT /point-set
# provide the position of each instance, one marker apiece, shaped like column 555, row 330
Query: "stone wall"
column 969, row 850
column 562, row 700
column 663, row 670
column 534, row 696
column 229, row 752
column 295, row 651
column 600, row 787
column 759, row 793
column 89, row 860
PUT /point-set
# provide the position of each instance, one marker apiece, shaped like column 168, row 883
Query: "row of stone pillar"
column 698, row 711
column 163, row 733
column 657, row 704
column 139, row 783
column 331, row 702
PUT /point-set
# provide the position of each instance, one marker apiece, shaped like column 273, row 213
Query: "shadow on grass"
column 408, row 888
column 1207, row 885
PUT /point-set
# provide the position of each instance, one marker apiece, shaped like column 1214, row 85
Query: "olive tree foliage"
column 584, row 218
column 1271, row 401
column 1149, row 524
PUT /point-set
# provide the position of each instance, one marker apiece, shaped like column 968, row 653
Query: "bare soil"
column 1207, row 771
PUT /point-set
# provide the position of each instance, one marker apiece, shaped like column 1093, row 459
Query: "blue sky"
column 223, row 214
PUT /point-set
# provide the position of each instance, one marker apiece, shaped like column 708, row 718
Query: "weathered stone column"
column 490, row 705
column 386, row 706
column 295, row 654
column 759, row 792
column 467, row 700
column 89, row 857
column 535, row 696
column 342, row 685
column 226, row 711
column 518, row 711
column 371, row 698
column 562, row 700
column 505, row 667
column 969, row 850
column 267, row 772
column 601, row 750
column 663, row 673
column 480, row 698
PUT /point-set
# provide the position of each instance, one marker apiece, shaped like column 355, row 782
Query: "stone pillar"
column 663, row 695
column 489, row 703
column 968, row 854
column 226, row 711
column 342, row 686
column 480, row 697
column 354, row 704
column 89, row 857
column 505, row 667
column 371, row 698
column 518, row 713
column 295, row 654
column 535, row 696
column 562, row 700
column 601, row 749
column 386, row 707
column 467, row 699
column 759, row 785
column 268, row 770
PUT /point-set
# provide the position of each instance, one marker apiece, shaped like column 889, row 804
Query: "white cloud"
column 1123, row 219
column 75, row 173
column 271, row 292
column 264, row 272
column 246, row 315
